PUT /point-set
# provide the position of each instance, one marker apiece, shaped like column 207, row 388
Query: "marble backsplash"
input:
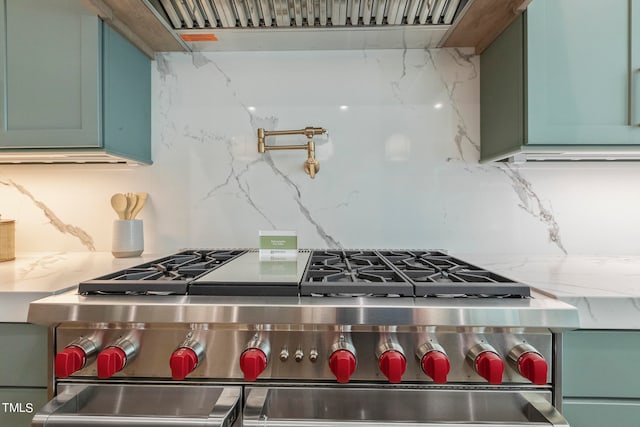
column 399, row 168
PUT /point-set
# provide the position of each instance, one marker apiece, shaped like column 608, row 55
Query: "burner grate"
column 435, row 274
column 405, row 273
column 352, row 273
column 169, row 275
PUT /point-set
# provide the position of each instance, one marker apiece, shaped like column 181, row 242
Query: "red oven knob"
column 490, row 367
column 393, row 364
column 252, row 362
column 182, row 362
column 529, row 363
column 77, row 354
column 110, row 360
column 533, row 367
column 436, row 365
column 343, row 364
column 69, row 360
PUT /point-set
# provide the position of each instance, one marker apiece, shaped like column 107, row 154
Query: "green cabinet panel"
column 601, row 412
column 49, row 74
column 552, row 88
column 19, row 405
column 578, row 83
column 502, row 112
column 600, row 385
column 127, row 98
column 600, row 364
column 72, row 90
column 23, row 359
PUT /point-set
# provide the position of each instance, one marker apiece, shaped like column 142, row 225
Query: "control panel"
column 427, row 355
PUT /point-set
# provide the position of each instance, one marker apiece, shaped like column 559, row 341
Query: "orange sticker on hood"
column 199, row 37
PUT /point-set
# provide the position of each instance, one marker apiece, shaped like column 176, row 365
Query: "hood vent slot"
column 207, row 14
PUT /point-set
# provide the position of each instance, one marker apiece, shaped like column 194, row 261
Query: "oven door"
column 347, row 407
column 140, row 405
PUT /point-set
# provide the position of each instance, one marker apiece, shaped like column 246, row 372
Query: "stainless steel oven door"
column 348, row 407
column 141, row 405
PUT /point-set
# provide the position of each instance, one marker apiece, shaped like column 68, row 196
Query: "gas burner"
column 421, row 260
column 165, row 276
column 352, row 273
column 462, row 282
column 436, row 274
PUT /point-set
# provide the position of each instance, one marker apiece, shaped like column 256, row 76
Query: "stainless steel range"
column 334, row 338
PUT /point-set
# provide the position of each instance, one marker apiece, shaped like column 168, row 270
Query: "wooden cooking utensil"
column 119, row 204
column 141, row 199
column 132, row 199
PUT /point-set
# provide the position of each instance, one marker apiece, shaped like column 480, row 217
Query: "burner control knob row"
column 115, row 357
column 487, row 362
column 529, row 363
column 254, row 360
column 434, row 361
column 186, row 358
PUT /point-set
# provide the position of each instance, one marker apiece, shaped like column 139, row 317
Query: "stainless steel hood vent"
column 318, row 24
column 304, row 13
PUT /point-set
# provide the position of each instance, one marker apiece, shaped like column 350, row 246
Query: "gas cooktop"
column 315, row 273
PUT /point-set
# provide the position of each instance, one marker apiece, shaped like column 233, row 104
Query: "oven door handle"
column 66, row 409
column 540, row 410
column 533, row 409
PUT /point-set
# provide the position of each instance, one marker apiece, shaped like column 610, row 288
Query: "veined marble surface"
column 399, row 168
column 606, row 290
column 35, row 275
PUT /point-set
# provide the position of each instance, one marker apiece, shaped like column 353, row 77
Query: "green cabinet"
column 601, row 412
column 23, row 372
column 71, row 89
column 23, row 360
column 50, row 74
column 600, row 379
column 19, row 405
column 554, row 87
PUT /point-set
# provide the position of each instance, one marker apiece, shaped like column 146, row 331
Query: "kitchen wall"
column 398, row 169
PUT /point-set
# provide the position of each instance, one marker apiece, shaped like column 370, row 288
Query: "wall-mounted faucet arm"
column 311, row 165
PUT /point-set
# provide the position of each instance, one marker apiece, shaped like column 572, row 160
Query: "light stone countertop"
column 605, row 289
column 35, row 275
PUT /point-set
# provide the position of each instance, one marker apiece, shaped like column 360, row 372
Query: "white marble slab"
column 399, row 168
column 35, row 275
column 606, row 290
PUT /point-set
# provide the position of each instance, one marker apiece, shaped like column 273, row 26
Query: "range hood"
column 224, row 25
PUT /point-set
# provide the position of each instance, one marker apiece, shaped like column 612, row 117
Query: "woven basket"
column 7, row 239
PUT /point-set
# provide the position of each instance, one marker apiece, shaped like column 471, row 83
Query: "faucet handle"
column 311, row 167
column 310, row 132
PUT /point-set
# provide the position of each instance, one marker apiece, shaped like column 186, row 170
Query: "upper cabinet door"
column 579, row 69
column 49, row 74
column 634, row 71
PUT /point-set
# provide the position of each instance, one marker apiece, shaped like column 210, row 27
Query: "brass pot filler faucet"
column 311, row 165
